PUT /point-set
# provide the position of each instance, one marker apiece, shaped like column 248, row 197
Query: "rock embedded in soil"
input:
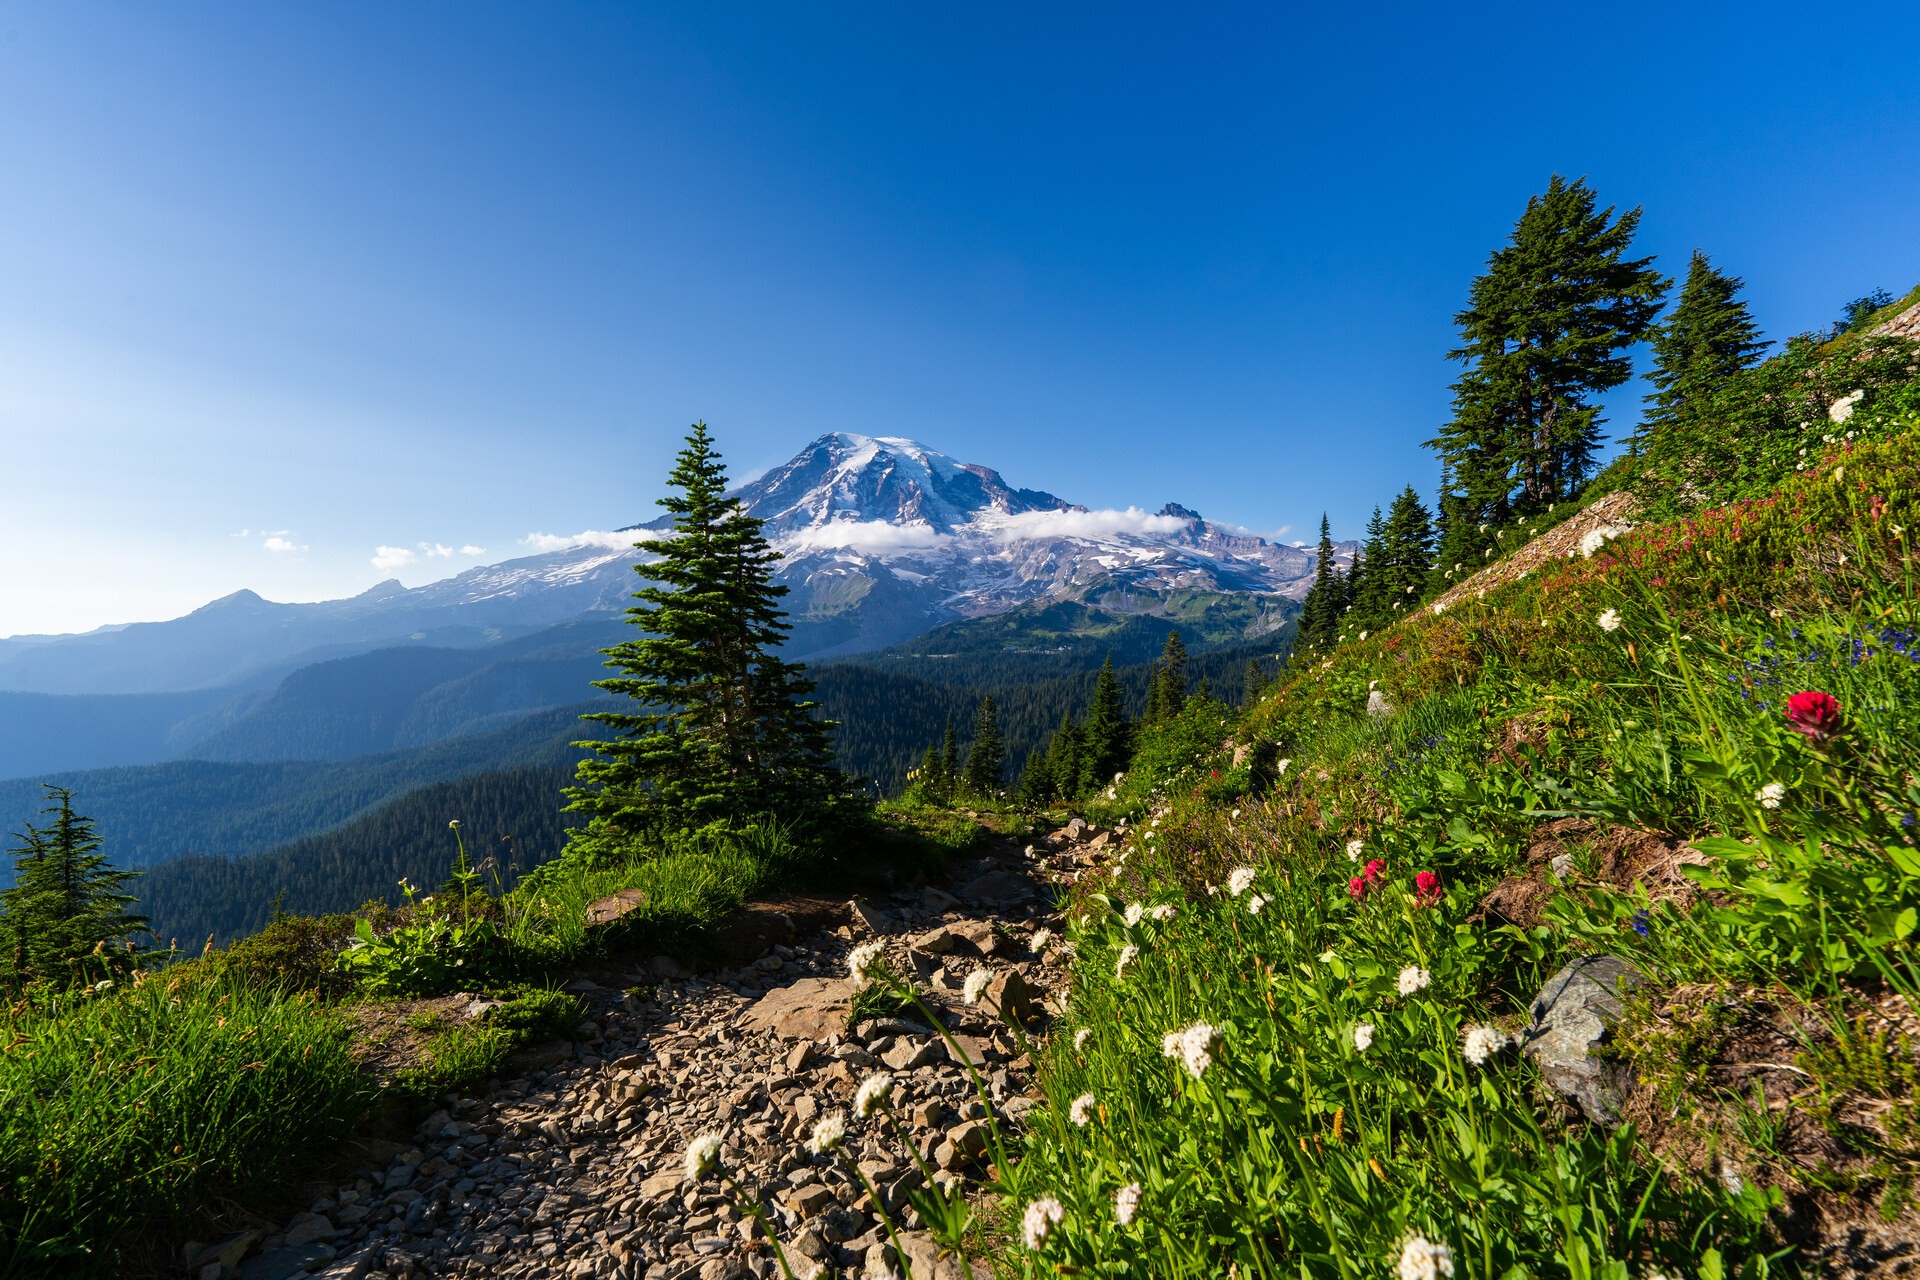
column 1572, row 1017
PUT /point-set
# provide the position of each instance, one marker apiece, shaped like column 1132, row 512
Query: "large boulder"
column 1572, row 1017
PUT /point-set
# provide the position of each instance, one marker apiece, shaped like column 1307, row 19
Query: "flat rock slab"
column 1571, row 1017
column 809, row 1009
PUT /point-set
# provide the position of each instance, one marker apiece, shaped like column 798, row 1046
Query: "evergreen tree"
column 67, row 901
column 1254, row 682
column 720, row 729
column 1106, row 743
column 1399, row 559
column 1545, row 330
column 1064, row 758
column 949, row 764
column 1035, row 787
column 1363, row 599
column 1168, row 689
column 986, row 758
column 1326, row 598
column 1698, row 349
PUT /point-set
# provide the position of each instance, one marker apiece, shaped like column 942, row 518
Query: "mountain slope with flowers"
column 1664, row 771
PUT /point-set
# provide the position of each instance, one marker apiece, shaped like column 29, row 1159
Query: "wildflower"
column 1135, row 914
column 1128, row 954
column 1353, row 850
column 1363, row 1036
column 828, row 1134
column 1081, row 1112
column 1170, row 1045
column 1164, row 912
column 1642, row 923
column 1842, row 409
column 703, row 1157
column 1770, row 795
column 1593, row 541
column 1326, row 957
column 1426, row 889
column 1080, row 1038
column 1413, row 978
column 1423, row 1259
column 1254, row 904
column 1042, row 1217
column 454, row 825
column 1281, row 767
column 862, row 960
column 1126, row 1203
column 1363, row 635
column 1041, row 937
column 1814, row 715
column 103, row 985
column 1609, row 619
column 1239, row 880
column 1196, row 1044
column 873, row 1094
column 976, row 985
column 1481, row 1043
column 1357, row 888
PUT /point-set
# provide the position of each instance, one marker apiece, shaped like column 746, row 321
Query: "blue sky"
column 416, row 276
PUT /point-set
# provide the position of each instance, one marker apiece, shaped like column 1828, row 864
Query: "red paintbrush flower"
column 1426, row 889
column 1814, row 715
column 1356, row 888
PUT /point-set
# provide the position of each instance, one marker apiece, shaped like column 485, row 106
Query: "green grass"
column 466, row 1055
column 135, row 1105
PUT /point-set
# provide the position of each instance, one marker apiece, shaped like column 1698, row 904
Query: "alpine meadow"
column 855, row 862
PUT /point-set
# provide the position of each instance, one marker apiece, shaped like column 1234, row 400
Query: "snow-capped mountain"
column 883, row 540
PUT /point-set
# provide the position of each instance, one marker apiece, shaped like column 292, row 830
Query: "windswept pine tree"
column 1709, row 338
column 986, row 758
column 718, row 728
column 67, row 904
column 1545, row 331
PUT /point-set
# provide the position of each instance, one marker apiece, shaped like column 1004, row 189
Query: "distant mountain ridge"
column 884, row 540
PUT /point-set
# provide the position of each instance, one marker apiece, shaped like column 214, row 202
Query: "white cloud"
column 471, row 550
column 1085, row 524
column 875, row 536
column 281, row 545
column 392, row 557
column 587, row 538
column 432, row 549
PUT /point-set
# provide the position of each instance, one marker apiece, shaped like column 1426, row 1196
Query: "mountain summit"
column 884, row 539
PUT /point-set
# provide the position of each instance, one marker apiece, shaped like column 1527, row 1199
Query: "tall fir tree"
column 1359, row 595
column 1697, row 350
column 1326, row 598
column 718, row 727
column 1106, row 741
column 1167, row 688
column 1253, row 681
column 1546, row 330
column 986, row 757
column 67, row 903
column 1064, row 756
column 1035, row 787
column 1399, row 563
column 949, row 762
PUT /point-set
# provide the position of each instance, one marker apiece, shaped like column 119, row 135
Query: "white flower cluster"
column 1081, row 1110
column 1481, row 1043
column 1423, row 1259
column 1353, row 849
column 1164, row 912
column 1043, row 1216
column 1595, row 539
column 703, row 1157
column 828, row 1133
column 873, row 1094
column 862, row 960
column 1135, row 914
column 1771, row 795
column 1194, row 1047
column 1128, row 954
column 1239, row 880
column 1041, row 937
column 1609, row 620
column 1126, row 1203
column 976, row 985
column 1254, row 904
column 1080, row 1038
column 1363, row 1036
column 1413, row 978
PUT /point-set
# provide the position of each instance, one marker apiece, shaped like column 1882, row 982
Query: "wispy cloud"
column 588, row 538
column 471, row 550
column 1085, row 524
column 280, row 545
column 875, row 536
column 385, row 557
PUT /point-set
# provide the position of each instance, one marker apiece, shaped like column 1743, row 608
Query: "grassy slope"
column 1297, row 1147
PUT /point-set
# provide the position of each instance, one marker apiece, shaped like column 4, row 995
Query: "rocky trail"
column 573, row 1165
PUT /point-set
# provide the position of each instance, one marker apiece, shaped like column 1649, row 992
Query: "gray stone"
column 1573, row 1015
column 285, row 1262
column 996, row 886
